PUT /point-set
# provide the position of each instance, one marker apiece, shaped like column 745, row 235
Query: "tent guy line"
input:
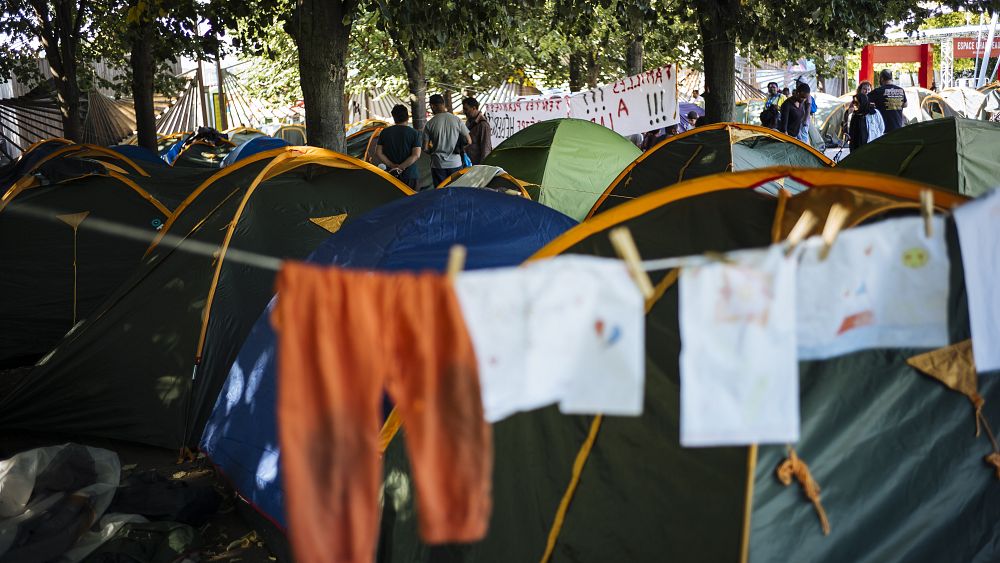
column 236, row 255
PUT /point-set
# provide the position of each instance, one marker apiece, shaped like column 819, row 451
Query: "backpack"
column 770, row 113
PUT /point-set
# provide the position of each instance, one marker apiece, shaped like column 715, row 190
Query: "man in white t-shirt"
column 446, row 134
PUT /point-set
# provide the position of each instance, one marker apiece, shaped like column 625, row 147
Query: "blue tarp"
column 413, row 233
column 141, row 155
column 13, row 171
column 253, row 146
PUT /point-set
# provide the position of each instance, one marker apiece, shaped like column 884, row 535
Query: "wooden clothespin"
column 719, row 257
column 927, row 210
column 802, row 228
column 456, row 261
column 834, row 223
column 621, row 239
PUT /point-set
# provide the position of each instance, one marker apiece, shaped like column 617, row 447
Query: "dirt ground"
column 227, row 536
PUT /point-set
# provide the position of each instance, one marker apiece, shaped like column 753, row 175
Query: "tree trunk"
column 576, row 62
column 593, row 69
column 413, row 62
column 68, row 97
column 322, row 37
column 716, row 21
column 633, row 52
column 59, row 42
column 448, row 103
column 141, row 59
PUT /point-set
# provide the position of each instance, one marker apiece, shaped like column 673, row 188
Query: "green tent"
column 895, row 452
column 147, row 365
column 956, row 154
column 571, row 161
column 720, row 147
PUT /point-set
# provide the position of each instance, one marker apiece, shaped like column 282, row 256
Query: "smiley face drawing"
column 916, row 257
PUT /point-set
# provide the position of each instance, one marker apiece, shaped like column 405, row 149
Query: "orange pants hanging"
column 343, row 337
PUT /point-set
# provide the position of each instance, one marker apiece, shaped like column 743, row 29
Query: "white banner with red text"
column 635, row 104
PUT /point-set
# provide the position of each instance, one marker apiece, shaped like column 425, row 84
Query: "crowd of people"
column 871, row 113
column 454, row 144
column 451, row 142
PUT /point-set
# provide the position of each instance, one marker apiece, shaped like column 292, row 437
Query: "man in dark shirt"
column 793, row 112
column 889, row 100
column 399, row 148
column 479, row 131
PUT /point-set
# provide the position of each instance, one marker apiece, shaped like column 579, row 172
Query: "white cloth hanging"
column 739, row 374
column 567, row 330
column 978, row 225
column 882, row 286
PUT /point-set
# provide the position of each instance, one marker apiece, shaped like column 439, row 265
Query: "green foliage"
column 29, row 24
column 272, row 71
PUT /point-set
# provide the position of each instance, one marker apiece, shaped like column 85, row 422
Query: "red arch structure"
column 872, row 54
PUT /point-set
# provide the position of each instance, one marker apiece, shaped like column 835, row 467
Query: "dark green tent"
column 148, row 365
column 64, row 248
column 956, row 154
column 720, row 147
column 894, row 451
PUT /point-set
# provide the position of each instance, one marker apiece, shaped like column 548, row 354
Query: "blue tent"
column 413, row 233
column 253, row 146
column 139, row 154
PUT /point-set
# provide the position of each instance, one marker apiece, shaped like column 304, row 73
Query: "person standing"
column 864, row 88
column 479, row 131
column 399, row 148
column 696, row 98
column 793, row 112
column 771, row 115
column 445, row 131
column 774, row 96
column 866, row 123
column 890, row 100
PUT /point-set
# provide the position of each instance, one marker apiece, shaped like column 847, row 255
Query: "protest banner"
column 631, row 105
column 507, row 118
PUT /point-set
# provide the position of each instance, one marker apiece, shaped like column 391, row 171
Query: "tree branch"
column 78, row 24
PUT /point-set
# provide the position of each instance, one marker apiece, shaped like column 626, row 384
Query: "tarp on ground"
column 960, row 155
column 895, row 452
column 148, row 365
column 415, row 233
column 720, row 147
column 571, row 161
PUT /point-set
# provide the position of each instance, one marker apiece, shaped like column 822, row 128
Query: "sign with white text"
column 507, row 118
column 967, row 48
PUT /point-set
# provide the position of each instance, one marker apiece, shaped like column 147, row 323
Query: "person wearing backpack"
column 771, row 116
column 866, row 123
